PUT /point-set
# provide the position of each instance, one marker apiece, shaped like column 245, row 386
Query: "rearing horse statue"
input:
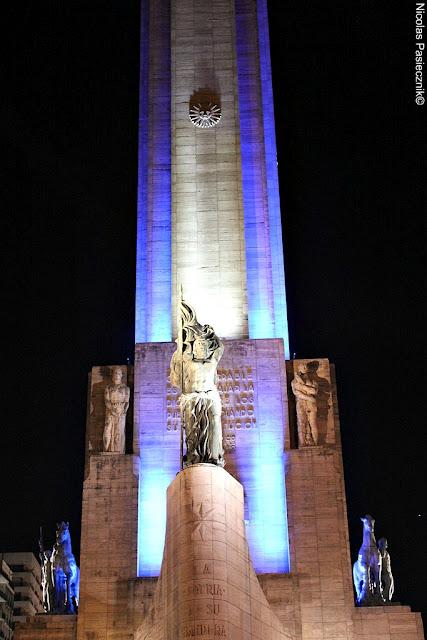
column 66, row 572
column 367, row 568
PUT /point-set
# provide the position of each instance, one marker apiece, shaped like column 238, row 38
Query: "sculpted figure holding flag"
column 193, row 371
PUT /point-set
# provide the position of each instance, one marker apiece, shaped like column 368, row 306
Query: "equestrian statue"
column 373, row 580
column 66, row 573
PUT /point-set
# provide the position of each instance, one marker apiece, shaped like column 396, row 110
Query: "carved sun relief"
column 205, row 115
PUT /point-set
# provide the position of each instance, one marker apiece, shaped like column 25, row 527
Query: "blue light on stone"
column 267, row 317
column 269, row 542
column 270, row 150
column 154, row 250
column 264, row 470
column 153, row 483
column 265, row 280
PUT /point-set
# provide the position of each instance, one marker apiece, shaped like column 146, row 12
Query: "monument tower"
column 257, row 550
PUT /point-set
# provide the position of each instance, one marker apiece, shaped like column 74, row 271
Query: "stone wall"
column 252, row 386
column 46, row 627
column 315, row 601
column 387, row 623
column 208, row 250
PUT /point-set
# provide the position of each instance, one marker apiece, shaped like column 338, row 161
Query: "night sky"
column 350, row 163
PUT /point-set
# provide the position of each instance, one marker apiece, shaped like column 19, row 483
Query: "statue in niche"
column 47, row 579
column 367, row 568
column 305, row 390
column 193, row 370
column 66, row 573
column 387, row 581
column 116, row 398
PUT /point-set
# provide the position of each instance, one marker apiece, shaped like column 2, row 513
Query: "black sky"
column 351, row 168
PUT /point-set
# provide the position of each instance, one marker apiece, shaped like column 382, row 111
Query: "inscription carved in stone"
column 236, row 388
column 173, row 419
column 203, row 609
column 207, row 589
column 229, row 442
column 202, row 629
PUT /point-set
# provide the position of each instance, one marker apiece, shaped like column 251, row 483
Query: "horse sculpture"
column 367, row 568
column 65, row 572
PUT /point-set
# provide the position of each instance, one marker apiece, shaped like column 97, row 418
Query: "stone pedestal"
column 320, row 554
column 108, row 546
column 387, row 623
column 207, row 587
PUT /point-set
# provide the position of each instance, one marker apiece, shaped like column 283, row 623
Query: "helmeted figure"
column 193, row 371
column 387, row 580
column 367, row 568
column 66, row 573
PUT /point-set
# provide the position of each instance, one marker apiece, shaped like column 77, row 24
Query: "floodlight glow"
column 267, row 314
column 153, row 483
column 264, row 472
column 265, row 508
column 153, row 250
column 269, row 528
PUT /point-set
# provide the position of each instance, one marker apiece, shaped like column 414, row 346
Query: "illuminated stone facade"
column 259, row 550
column 208, row 199
column 254, row 440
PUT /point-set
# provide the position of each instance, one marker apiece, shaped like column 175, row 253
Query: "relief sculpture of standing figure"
column 387, row 580
column 193, row 371
column 116, row 398
column 305, row 392
column 47, row 577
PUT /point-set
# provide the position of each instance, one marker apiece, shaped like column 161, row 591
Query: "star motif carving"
column 202, row 513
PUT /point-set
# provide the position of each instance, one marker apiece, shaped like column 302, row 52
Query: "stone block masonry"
column 108, row 558
column 47, row 627
column 252, row 386
column 207, row 587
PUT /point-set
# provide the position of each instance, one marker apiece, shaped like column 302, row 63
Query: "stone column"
column 317, row 516
column 108, row 546
column 207, row 587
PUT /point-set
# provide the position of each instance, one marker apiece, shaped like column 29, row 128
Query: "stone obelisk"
column 208, row 200
column 209, row 221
